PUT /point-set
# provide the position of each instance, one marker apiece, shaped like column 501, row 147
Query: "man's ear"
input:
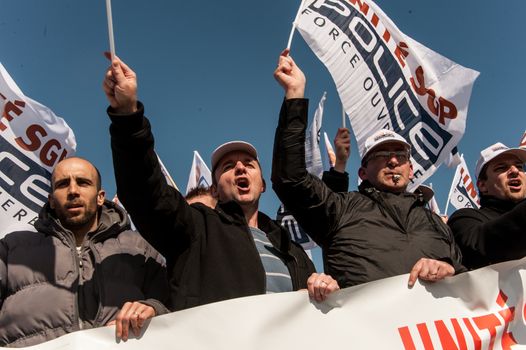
column 481, row 185
column 264, row 186
column 213, row 191
column 101, row 196
column 51, row 201
column 362, row 173
column 411, row 172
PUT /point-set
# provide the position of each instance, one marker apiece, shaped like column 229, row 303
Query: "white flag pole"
column 110, row 28
column 343, row 117
column 294, row 24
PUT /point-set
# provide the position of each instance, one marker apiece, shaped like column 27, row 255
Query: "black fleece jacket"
column 210, row 253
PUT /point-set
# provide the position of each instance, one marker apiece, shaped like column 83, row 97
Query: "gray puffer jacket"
column 48, row 288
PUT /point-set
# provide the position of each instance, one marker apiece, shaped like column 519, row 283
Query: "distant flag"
column 32, row 141
column 522, row 144
column 453, row 158
column 463, row 193
column 330, row 151
column 169, row 180
column 200, row 175
column 312, row 141
column 433, row 205
column 387, row 80
column 118, row 202
column 315, row 167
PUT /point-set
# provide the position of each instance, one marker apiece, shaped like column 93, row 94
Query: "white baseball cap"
column 383, row 136
column 488, row 154
column 232, row 146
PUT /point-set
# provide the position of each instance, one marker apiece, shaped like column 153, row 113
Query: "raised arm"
column 157, row 209
column 311, row 202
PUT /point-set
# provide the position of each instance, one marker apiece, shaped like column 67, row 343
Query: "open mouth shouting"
column 242, row 184
column 515, row 184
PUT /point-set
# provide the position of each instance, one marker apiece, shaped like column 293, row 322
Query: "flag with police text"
column 200, row 175
column 169, row 180
column 32, row 141
column 387, row 80
column 463, row 193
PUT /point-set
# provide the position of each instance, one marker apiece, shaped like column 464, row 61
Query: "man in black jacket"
column 213, row 254
column 497, row 231
column 378, row 232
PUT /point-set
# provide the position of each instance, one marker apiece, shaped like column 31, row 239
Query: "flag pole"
column 294, row 24
column 344, row 124
column 110, row 29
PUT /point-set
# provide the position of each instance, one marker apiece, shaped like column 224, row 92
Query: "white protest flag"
column 432, row 203
column 200, row 175
column 32, row 141
column 522, row 144
column 387, row 80
column 312, row 141
column 330, row 151
column 462, row 193
column 453, row 158
column 314, row 166
column 169, row 180
column 117, row 201
column 481, row 309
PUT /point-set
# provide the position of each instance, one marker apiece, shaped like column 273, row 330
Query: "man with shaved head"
column 79, row 267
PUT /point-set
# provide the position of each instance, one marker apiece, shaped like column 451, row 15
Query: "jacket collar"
column 112, row 220
column 231, row 212
column 494, row 203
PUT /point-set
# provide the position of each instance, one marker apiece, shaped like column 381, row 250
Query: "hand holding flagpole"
column 110, row 28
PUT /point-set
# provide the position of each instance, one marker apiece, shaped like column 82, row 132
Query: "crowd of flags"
column 417, row 110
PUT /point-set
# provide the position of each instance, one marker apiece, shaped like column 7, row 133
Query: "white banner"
column 463, row 193
column 522, row 144
column 200, row 175
column 387, row 80
column 482, row 309
column 32, row 141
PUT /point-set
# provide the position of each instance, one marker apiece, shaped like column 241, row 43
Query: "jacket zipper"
column 80, row 267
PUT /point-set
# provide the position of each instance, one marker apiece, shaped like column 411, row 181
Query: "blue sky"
column 205, row 71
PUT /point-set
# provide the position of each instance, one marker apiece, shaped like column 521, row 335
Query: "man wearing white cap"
column 497, row 231
column 380, row 231
column 213, row 254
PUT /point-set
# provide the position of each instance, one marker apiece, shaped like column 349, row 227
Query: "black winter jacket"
column 494, row 233
column 210, row 253
column 365, row 235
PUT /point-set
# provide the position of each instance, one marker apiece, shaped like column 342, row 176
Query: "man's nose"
column 73, row 189
column 240, row 167
column 393, row 160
